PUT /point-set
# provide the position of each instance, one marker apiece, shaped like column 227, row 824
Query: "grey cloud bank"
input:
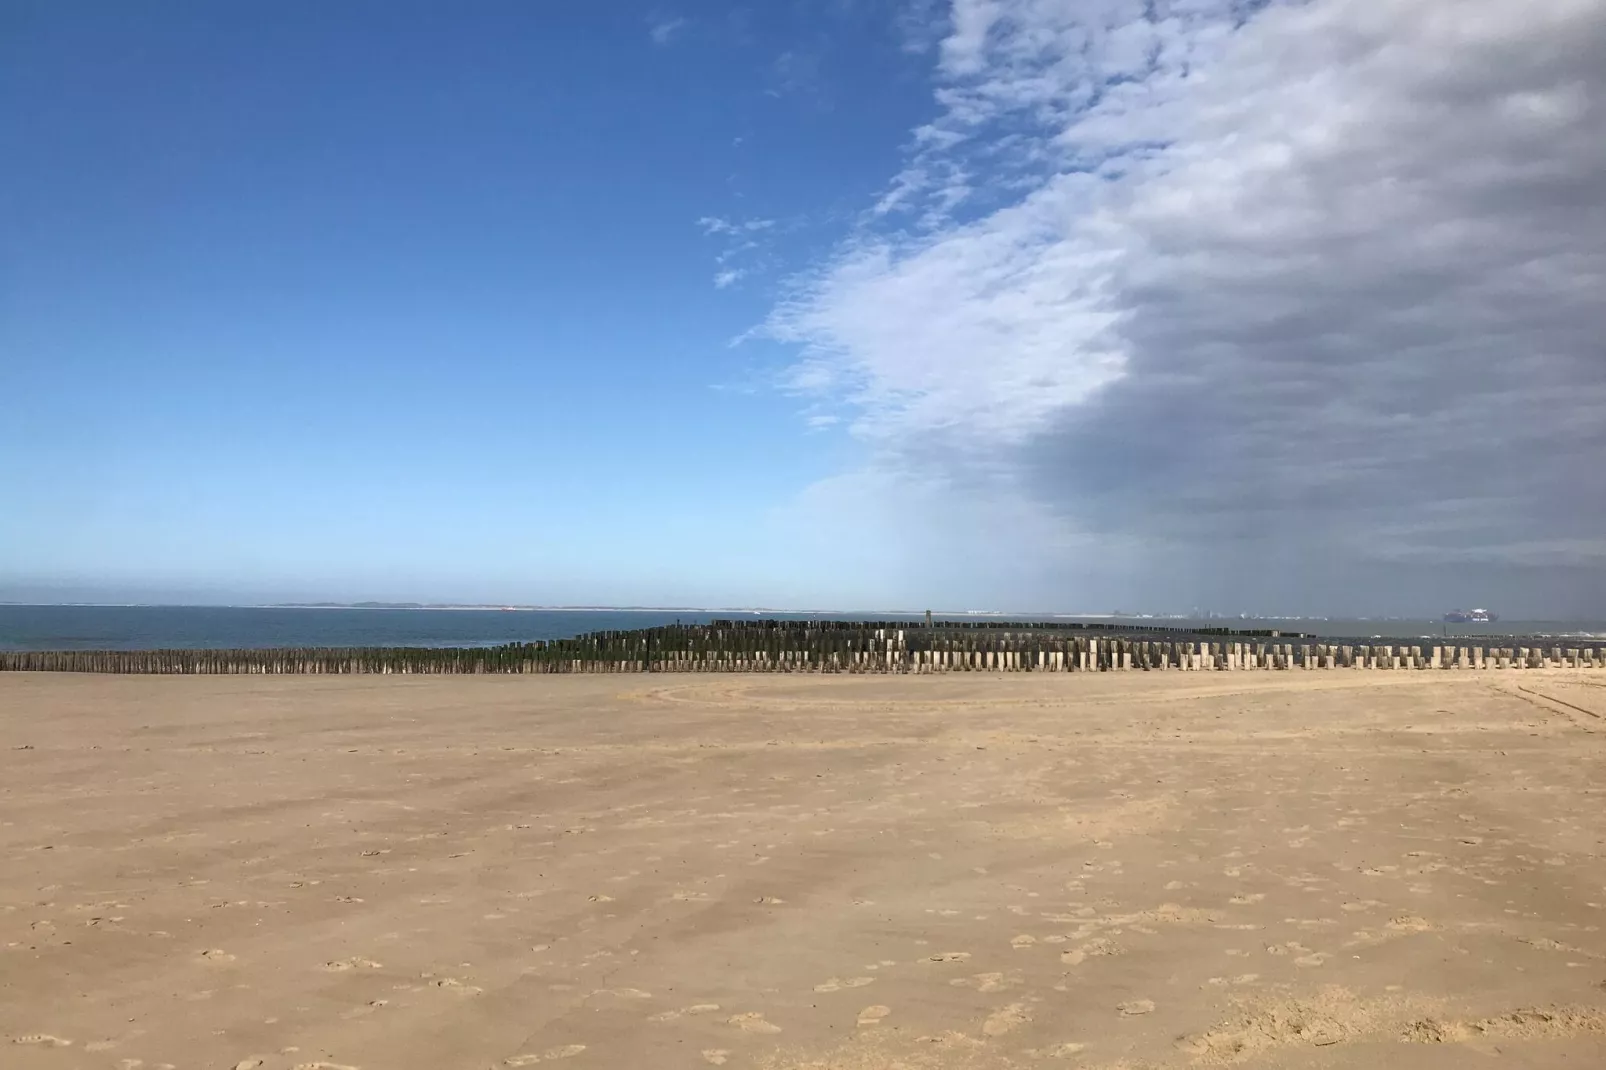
column 1287, row 305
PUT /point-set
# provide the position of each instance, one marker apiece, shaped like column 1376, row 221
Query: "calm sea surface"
column 151, row 627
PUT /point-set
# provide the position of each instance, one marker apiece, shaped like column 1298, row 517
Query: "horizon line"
column 756, row 610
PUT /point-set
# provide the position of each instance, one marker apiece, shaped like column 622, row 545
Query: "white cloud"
column 718, row 225
column 796, row 72
column 920, row 25
column 1212, row 272
column 740, row 244
column 664, row 29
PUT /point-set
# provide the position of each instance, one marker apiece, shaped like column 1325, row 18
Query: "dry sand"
column 1332, row 869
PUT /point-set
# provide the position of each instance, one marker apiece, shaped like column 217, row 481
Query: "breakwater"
column 762, row 645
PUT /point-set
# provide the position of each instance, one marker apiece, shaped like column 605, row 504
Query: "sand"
column 1335, row 869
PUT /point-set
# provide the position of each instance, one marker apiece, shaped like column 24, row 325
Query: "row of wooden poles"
column 829, row 647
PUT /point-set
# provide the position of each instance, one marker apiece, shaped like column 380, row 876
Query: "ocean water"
column 229, row 627
column 195, row 627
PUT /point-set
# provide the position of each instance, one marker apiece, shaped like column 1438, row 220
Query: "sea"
column 83, row 627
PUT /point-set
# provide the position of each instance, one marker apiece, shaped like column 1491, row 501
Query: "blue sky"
column 381, row 298
column 1033, row 304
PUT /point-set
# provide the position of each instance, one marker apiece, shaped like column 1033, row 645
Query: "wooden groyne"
column 761, row 645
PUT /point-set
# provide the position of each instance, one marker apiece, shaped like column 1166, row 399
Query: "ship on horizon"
column 1477, row 616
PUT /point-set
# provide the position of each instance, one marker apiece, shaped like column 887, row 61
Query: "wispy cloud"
column 921, row 25
column 741, row 250
column 798, row 73
column 663, row 29
column 1231, row 275
column 717, row 225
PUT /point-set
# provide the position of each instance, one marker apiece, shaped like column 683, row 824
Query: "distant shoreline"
column 1136, row 619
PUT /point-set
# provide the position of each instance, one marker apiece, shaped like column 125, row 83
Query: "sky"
column 1256, row 306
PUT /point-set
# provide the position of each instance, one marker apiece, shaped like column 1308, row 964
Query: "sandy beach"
column 1170, row 870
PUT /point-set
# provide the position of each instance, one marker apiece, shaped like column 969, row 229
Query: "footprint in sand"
column 987, row 982
column 948, row 956
column 1005, row 1019
column 1364, row 904
column 42, row 1040
column 563, row 1051
column 1023, row 940
column 715, row 1056
column 752, row 1022
column 1410, row 923
column 695, row 1008
column 1134, row 1007
column 1241, row 979
column 1066, row 1050
column 1097, row 947
column 360, row 1012
column 873, row 1015
column 342, row 965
